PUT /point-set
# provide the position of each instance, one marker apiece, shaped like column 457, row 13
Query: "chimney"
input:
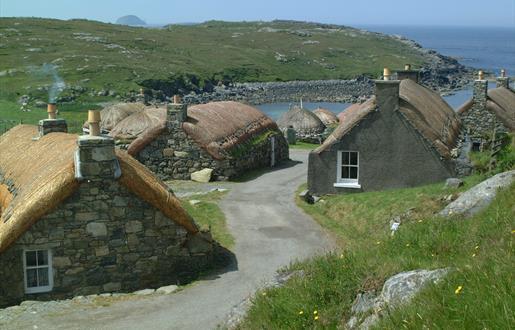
column 386, row 74
column 503, row 80
column 177, row 113
column 387, row 93
column 52, row 124
column 408, row 73
column 480, row 92
column 95, row 157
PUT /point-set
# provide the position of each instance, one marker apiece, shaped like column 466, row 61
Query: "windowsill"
column 40, row 289
column 347, row 185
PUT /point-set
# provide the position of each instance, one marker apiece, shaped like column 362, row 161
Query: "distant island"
column 131, row 20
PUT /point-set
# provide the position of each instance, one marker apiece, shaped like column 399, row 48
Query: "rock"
column 303, row 193
column 144, row 292
column 203, row 176
column 397, row 290
column 167, row 289
column 453, row 183
column 133, row 227
column 480, row 196
column 61, row 262
column 194, row 202
column 96, row 229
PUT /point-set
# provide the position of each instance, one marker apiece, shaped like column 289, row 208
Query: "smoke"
column 58, row 84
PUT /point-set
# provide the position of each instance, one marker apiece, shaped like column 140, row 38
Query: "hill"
column 95, row 58
column 131, row 20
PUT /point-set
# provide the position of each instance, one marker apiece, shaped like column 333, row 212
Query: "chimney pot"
column 386, row 74
column 176, row 99
column 480, row 75
column 503, row 73
column 51, row 110
column 407, row 67
column 94, row 122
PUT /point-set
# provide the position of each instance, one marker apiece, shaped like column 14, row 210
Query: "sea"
column 486, row 48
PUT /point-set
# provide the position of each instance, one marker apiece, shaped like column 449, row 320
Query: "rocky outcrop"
column 398, row 290
column 480, row 196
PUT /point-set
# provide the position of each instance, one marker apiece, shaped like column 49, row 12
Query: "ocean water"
column 490, row 49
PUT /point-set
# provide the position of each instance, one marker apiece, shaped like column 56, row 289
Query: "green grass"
column 304, row 146
column 98, row 56
column 75, row 115
column 207, row 214
column 479, row 249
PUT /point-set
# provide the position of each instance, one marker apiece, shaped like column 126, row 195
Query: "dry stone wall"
column 105, row 239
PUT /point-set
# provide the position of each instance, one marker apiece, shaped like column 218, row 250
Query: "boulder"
column 167, row 289
column 397, row 291
column 203, row 176
column 144, row 292
column 453, row 183
column 480, row 196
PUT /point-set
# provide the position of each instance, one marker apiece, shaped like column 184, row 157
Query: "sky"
column 347, row 12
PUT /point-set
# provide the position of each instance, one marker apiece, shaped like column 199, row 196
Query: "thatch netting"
column 220, row 126
column 41, row 176
column 138, row 123
column 428, row 113
column 349, row 118
column 502, row 103
column 302, row 120
column 115, row 113
column 326, row 116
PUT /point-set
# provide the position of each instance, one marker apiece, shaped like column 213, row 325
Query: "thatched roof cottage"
column 227, row 137
column 79, row 218
column 307, row 125
column 488, row 111
column 401, row 137
column 327, row 117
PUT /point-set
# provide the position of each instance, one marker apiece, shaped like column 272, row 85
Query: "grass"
column 304, row 146
column 479, row 249
column 209, row 216
column 94, row 56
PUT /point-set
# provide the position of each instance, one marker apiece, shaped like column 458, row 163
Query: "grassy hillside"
column 480, row 250
column 92, row 56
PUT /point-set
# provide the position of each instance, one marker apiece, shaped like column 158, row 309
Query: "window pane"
column 30, row 258
column 353, row 158
column 32, row 278
column 43, row 276
column 42, row 258
column 353, row 172
column 345, row 172
column 345, row 158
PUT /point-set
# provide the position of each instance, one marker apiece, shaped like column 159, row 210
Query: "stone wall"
column 105, row 239
column 478, row 120
column 175, row 155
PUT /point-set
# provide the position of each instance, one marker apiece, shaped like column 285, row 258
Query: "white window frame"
column 346, row 183
column 38, row 289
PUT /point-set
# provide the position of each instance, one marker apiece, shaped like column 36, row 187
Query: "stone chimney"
column 52, row 124
column 503, row 80
column 177, row 113
column 408, row 73
column 95, row 157
column 480, row 91
column 387, row 93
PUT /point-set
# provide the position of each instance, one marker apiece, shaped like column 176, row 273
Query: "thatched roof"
column 302, row 120
column 326, row 116
column 501, row 101
column 41, row 175
column 216, row 126
column 424, row 109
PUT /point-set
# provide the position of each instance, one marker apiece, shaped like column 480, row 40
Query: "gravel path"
column 270, row 233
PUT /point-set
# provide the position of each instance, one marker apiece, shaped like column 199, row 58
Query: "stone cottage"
column 401, row 137
column 308, row 127
column 79, row 218
column 489, row 111
column 226, row 137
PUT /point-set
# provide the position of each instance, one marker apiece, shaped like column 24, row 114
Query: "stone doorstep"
column 164, row 290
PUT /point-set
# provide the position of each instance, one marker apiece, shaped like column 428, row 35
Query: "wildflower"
column 407, row 244
column 477, row 247
column 315, row 312
column 264, row 293
column 513, row 231
column 432, row 255
column 341, row 256
column 378, row 242
column 473, row 255
column 316, row 317
column 419, row 221
column 301, row 312
column 458, row 289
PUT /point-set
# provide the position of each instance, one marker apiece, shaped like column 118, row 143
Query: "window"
column 37, row 266
column 348, row 169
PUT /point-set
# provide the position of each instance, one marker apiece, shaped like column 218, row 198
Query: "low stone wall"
column 105, row 239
